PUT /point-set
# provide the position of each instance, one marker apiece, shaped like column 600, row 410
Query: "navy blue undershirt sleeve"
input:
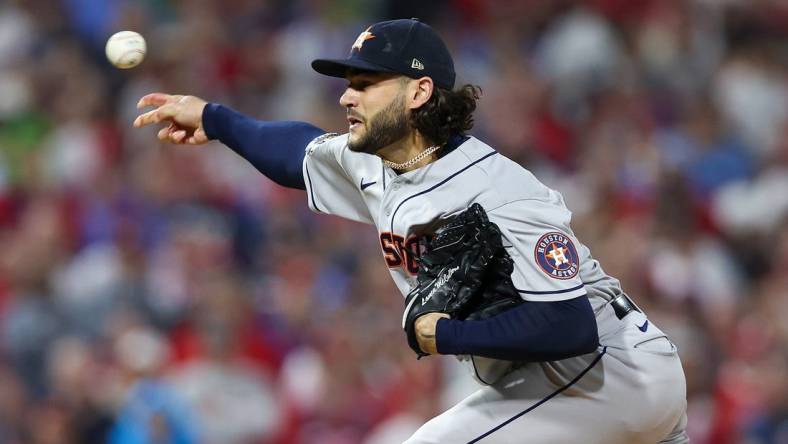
column 276, row 149
column 533, row 331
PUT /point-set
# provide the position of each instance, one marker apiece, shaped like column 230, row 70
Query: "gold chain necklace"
column 405, row 165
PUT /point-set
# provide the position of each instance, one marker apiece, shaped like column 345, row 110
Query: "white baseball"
column 126, row 49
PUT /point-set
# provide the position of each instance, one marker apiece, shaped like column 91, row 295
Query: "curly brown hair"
column 446, row 113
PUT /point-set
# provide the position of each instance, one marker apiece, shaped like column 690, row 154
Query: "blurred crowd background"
column 154, row 294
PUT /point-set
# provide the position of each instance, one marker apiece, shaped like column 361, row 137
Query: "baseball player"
column 576, row 361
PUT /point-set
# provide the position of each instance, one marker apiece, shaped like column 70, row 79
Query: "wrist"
column 425, row 327
column 210, row 119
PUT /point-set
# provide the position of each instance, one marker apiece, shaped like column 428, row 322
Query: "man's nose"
column 349, row 98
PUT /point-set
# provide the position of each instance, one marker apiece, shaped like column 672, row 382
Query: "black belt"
column 622, row 306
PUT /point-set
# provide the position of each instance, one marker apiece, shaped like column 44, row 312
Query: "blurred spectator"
column 228, row 382
column 13, row 405
column 151, row 410
column 83, row 387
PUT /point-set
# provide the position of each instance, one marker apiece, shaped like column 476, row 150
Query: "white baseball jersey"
column 550, row 264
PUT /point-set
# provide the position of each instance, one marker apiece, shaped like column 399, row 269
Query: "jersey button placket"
column 391, row 194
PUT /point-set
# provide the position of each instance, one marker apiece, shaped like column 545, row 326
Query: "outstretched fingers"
column 160, row 114
column 178, row 113
column 156, row 99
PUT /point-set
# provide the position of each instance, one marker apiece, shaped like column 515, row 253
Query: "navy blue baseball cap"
column 406, row 46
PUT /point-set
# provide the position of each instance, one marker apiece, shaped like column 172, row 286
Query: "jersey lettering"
column 412, row 253
column 399, row 252
column 390, row 253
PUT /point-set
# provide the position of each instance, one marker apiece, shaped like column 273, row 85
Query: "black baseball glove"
column 464, row 272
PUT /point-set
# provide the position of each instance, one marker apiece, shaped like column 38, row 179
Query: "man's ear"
column 419, row 92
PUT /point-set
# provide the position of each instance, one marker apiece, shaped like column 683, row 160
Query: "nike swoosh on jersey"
column 367, row 185
column 643, row 327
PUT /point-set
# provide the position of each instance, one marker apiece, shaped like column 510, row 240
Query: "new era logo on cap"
column 416, row 64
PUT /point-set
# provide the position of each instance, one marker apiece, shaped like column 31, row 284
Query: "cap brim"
column 339, row 67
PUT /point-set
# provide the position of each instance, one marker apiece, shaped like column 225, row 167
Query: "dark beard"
column 388, row 126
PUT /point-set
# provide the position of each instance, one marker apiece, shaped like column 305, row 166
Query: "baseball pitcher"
column 483, row 253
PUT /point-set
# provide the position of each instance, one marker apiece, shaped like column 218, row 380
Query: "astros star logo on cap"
column 364, row 36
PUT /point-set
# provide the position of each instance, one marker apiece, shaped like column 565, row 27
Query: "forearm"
column 276, row 149
column 533, row 331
